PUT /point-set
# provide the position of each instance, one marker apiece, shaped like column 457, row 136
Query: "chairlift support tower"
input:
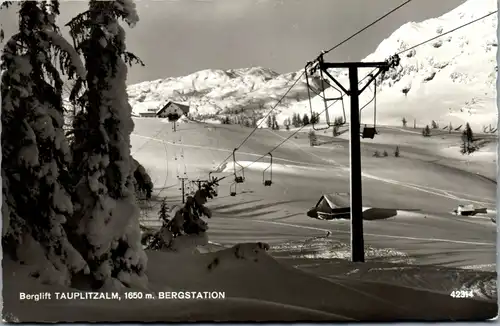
column 356, row 200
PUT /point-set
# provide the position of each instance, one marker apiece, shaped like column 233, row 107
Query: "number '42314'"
column 460, row 294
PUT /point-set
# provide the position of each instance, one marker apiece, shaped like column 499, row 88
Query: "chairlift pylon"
column 237, row 178
column 324, row 85
column 370, row 132
column 268, row 182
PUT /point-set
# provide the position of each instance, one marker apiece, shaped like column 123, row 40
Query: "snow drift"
column 257, row 287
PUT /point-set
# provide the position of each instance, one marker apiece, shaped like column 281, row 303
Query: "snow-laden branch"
column 60, row 42
column 129, row 9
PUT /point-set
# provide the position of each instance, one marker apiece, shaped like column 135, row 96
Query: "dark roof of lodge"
column 183, row 107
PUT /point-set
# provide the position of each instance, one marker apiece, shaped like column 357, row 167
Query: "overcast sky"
column 178, row 37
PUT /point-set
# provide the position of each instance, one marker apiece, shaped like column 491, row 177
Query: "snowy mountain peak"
column 450, row 79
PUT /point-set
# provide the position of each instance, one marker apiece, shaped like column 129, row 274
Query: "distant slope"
column 450, row 80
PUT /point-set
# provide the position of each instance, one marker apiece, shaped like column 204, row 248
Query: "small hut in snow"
column 331, row 206
column 172, row 110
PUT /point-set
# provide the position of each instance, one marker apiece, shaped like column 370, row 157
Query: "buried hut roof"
column 334, row 200
column 338, row 205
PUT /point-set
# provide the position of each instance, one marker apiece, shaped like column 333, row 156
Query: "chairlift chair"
column 322, row 95
column 370, row 132
column 268, row 182
column 232, row 189
column 237, row 178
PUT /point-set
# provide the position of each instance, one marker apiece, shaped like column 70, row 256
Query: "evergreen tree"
column 469, row 133
column 404, row 122
column 294, row 120
column 305, row 120
column 35, row 153
column 338, row 121
column 254, row 122
column 426, row 132
column 142, row 181
column 314, row 120
column 313, row 139
column 464, row 148
column 273, row 122
column 106, row 213
column 299, row 122
column 163, row 213
column 287, row 123
column 467, row 146
column 396, row 152
column 269, row 122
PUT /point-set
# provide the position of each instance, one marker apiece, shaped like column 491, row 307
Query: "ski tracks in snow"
column 429, row 190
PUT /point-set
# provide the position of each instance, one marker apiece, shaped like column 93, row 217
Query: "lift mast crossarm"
column 372, row 78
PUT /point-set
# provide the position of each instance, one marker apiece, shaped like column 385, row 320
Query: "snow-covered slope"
column 449, row 80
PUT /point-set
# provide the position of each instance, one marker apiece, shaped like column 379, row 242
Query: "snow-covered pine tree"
column 464, row 148
column 106, row 212
column 163, row 213
column 254, row 122
column 269, row 122
column 469, row 133
column 142, row 181
column 335, row 130
column 305, row 120
column 397, row 152
column 35, row 153
column 426, row 132
column 467, row 140
column 287, row 123
column 314, row 118
column 313, row 139
column 273, row 122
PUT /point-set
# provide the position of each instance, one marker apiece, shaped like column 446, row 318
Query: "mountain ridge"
column 451, row 80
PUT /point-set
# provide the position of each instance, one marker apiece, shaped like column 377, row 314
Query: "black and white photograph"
column 249, row 161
